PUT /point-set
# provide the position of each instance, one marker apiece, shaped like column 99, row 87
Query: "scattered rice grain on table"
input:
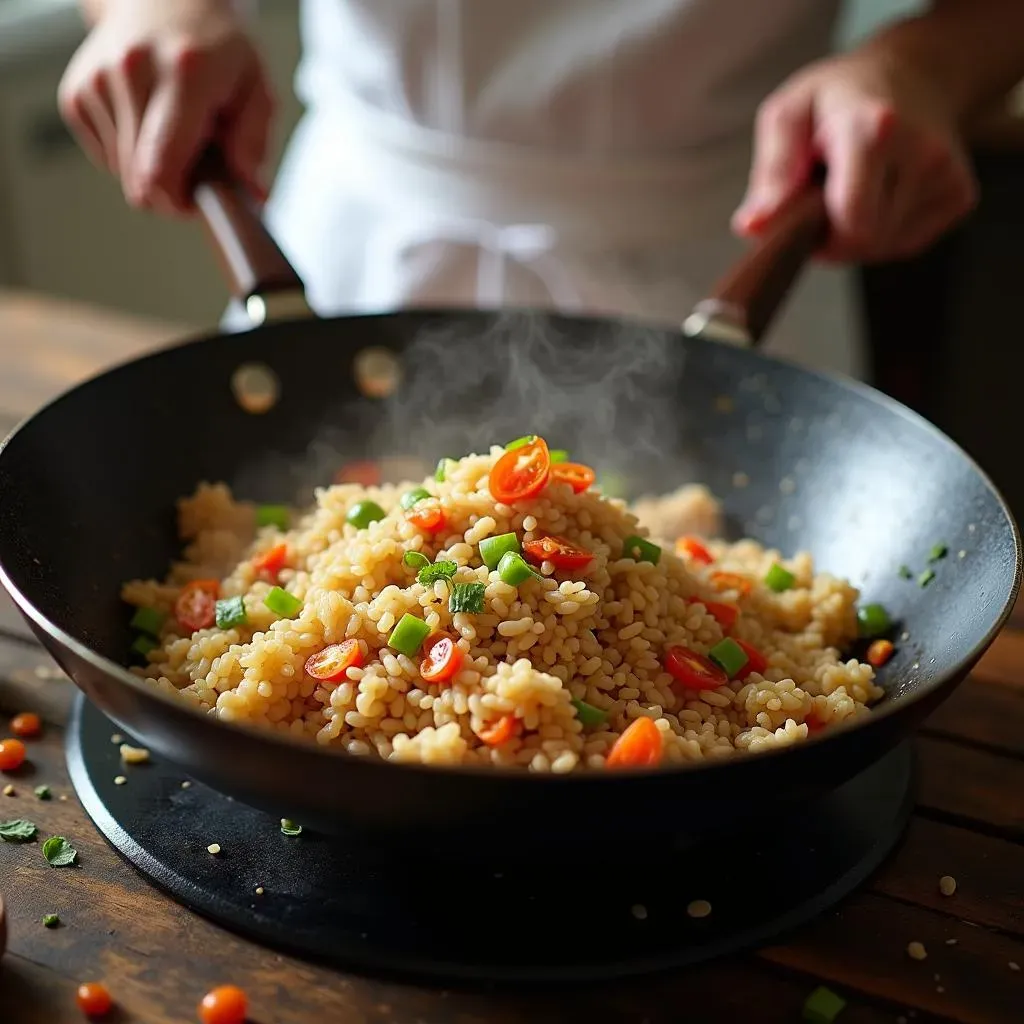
column 595, row 634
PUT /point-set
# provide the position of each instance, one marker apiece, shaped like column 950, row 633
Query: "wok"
column 801, row 461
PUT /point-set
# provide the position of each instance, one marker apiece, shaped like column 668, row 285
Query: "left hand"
column 898, row 175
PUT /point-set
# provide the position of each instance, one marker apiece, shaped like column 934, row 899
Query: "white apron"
column 578, row 155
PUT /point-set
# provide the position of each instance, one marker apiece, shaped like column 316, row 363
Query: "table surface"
column 158, row 959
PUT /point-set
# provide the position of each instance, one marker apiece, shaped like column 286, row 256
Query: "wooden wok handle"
column 742, row 304
column 257, row 272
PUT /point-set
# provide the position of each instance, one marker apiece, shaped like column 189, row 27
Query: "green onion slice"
column 466, row 597
column 50, row 920
column 588, row 714
column 231, row 612
column 414, row 497
column 362, row 513
column 493, row 548
column 43, row 792
column 273, row 515
column 905, row 573
column 558, row 455
column 415, row 560
column 873, row 620
column 925, row 578
column 514, row 569
column 779, row 578
column 520, row 442
column 729, row 656
column 143, row 645
column 430, row 574
column 280, row 602
column 148, row 620
column 938, row 552
column 823, row 1006
column 641, row 550
column 290, row 828
column 442, row 469
column 408, row 635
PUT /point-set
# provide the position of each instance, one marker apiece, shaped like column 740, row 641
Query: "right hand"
column 157, row 80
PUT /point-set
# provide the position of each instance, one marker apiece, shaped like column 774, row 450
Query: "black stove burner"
column 560, row 921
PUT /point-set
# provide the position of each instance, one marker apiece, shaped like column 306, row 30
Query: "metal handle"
column 258, row 273
column 743, row 302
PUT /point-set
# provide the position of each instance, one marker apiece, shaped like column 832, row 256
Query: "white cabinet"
column 64, row 226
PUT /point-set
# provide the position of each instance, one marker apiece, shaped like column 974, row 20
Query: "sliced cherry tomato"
column 26, row 724
column 640, row 746
column 575, row 474
column 93, row 999
column 724, row 614
column 521, row 473
column 271, row 562
column 12, row 755
column 428, row 518
column 367, row 474
column 692, row 670
column 443, row 661
column 756, row 661
column 690, row 547
column 196, row 607
column 500, row 731
column 224, row 1005
column 879, row 652
column 731, row 581
column 561, row 553
column 331, row 664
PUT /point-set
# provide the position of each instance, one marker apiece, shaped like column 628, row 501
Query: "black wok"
column 801, row 461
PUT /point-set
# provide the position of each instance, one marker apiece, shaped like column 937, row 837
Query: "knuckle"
column 132, row 59
column 877, row 121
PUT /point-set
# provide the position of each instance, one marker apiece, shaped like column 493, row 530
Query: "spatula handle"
column 257, row 272
column 742, row 304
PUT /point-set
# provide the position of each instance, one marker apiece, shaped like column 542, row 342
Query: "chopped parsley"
column 466, row 597
column 51, row 920
column 905, row 573
column 925, row 578
column 938, row 552
column 43, row 792
column 17, row 831
column 430, row 574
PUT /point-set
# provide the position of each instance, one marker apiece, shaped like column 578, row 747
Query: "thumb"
column 783, row 156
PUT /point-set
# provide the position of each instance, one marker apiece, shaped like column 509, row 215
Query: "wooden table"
column 158, row 959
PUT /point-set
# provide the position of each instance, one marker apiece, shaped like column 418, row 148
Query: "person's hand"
column 155, row 82
column 897, row 174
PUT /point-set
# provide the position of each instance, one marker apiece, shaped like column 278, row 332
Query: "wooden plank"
column 1003, row 662
column 863, row 946
column 989, row 714
column 971, row 787
column 989, row 874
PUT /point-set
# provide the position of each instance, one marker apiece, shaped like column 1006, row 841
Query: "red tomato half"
column 196, row 607
column 692, row 670
column 521, row 473
column 575, row 474
column 443, row 661
column 331, row 664
column 271, row 562
column 731, row 581
column 690, row 547
column 756, row 661
column 366, row 474
column 428, row 518
column 562, row 554
column 724, row 614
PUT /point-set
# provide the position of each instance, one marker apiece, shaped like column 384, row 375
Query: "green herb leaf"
column 938, row 552
column 430, row 574
column 59, row 853
column 51, row 920
column 823, row 1006
column 290, row 828
column 43, row 792
column 466, row 597
column 925, row 578
column 17, row 831
column 415, row 560
column 230, row 612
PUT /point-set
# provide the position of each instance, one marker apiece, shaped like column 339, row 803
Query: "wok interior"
column 800, row 462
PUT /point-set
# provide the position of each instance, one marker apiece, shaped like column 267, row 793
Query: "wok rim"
column 890, row 707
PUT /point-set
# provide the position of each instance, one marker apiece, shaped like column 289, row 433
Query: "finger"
column 97, row 104
column 858, row 191
column 783, row 157
column 175, row 128
column 76, row 117
column 247, row 135
column 130, row 89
